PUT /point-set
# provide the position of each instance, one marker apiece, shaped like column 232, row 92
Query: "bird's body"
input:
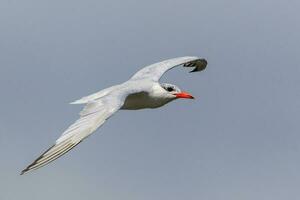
column 149, row 97
column 143, row 90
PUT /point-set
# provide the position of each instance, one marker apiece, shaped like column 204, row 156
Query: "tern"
column 142, row 90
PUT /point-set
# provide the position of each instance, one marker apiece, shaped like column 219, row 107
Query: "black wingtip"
column 28, row 168
column 199, row 65
column 23, row 172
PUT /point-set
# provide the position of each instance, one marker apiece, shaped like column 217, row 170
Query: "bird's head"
column 173, row 92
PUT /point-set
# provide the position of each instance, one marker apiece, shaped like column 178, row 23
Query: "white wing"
column 95, row 96
column 91, row 117
column 155, row 71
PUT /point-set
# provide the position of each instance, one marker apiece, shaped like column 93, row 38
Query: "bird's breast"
column 143, row 100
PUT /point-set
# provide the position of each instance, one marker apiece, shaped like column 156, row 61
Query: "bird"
column 142, row 90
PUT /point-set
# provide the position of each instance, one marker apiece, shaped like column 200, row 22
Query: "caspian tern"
column 142, row 90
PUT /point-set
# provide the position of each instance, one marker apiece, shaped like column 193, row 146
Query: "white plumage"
column 141, row 91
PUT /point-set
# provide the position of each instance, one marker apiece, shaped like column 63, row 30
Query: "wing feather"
column 155, row 71
column 91, row 117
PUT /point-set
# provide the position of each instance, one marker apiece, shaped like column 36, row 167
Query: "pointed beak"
column 184, row 95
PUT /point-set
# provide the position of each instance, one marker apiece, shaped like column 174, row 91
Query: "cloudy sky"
column 238, row 140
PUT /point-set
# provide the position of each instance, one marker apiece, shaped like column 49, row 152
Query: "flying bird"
column 142, row 90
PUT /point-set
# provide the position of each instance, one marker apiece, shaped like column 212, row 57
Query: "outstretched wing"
column 91, row 117
column 155, row 71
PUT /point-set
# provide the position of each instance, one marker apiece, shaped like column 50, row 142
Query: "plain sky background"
column 238, row 140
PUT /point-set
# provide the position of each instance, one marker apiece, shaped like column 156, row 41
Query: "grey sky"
column 238, row 140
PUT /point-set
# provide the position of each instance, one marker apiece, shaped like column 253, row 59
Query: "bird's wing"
column 155, row 71
column 91, row 117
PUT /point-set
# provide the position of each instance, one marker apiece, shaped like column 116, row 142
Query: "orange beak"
column 184, row 95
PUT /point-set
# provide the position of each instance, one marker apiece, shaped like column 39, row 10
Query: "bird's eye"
column 170, row 89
